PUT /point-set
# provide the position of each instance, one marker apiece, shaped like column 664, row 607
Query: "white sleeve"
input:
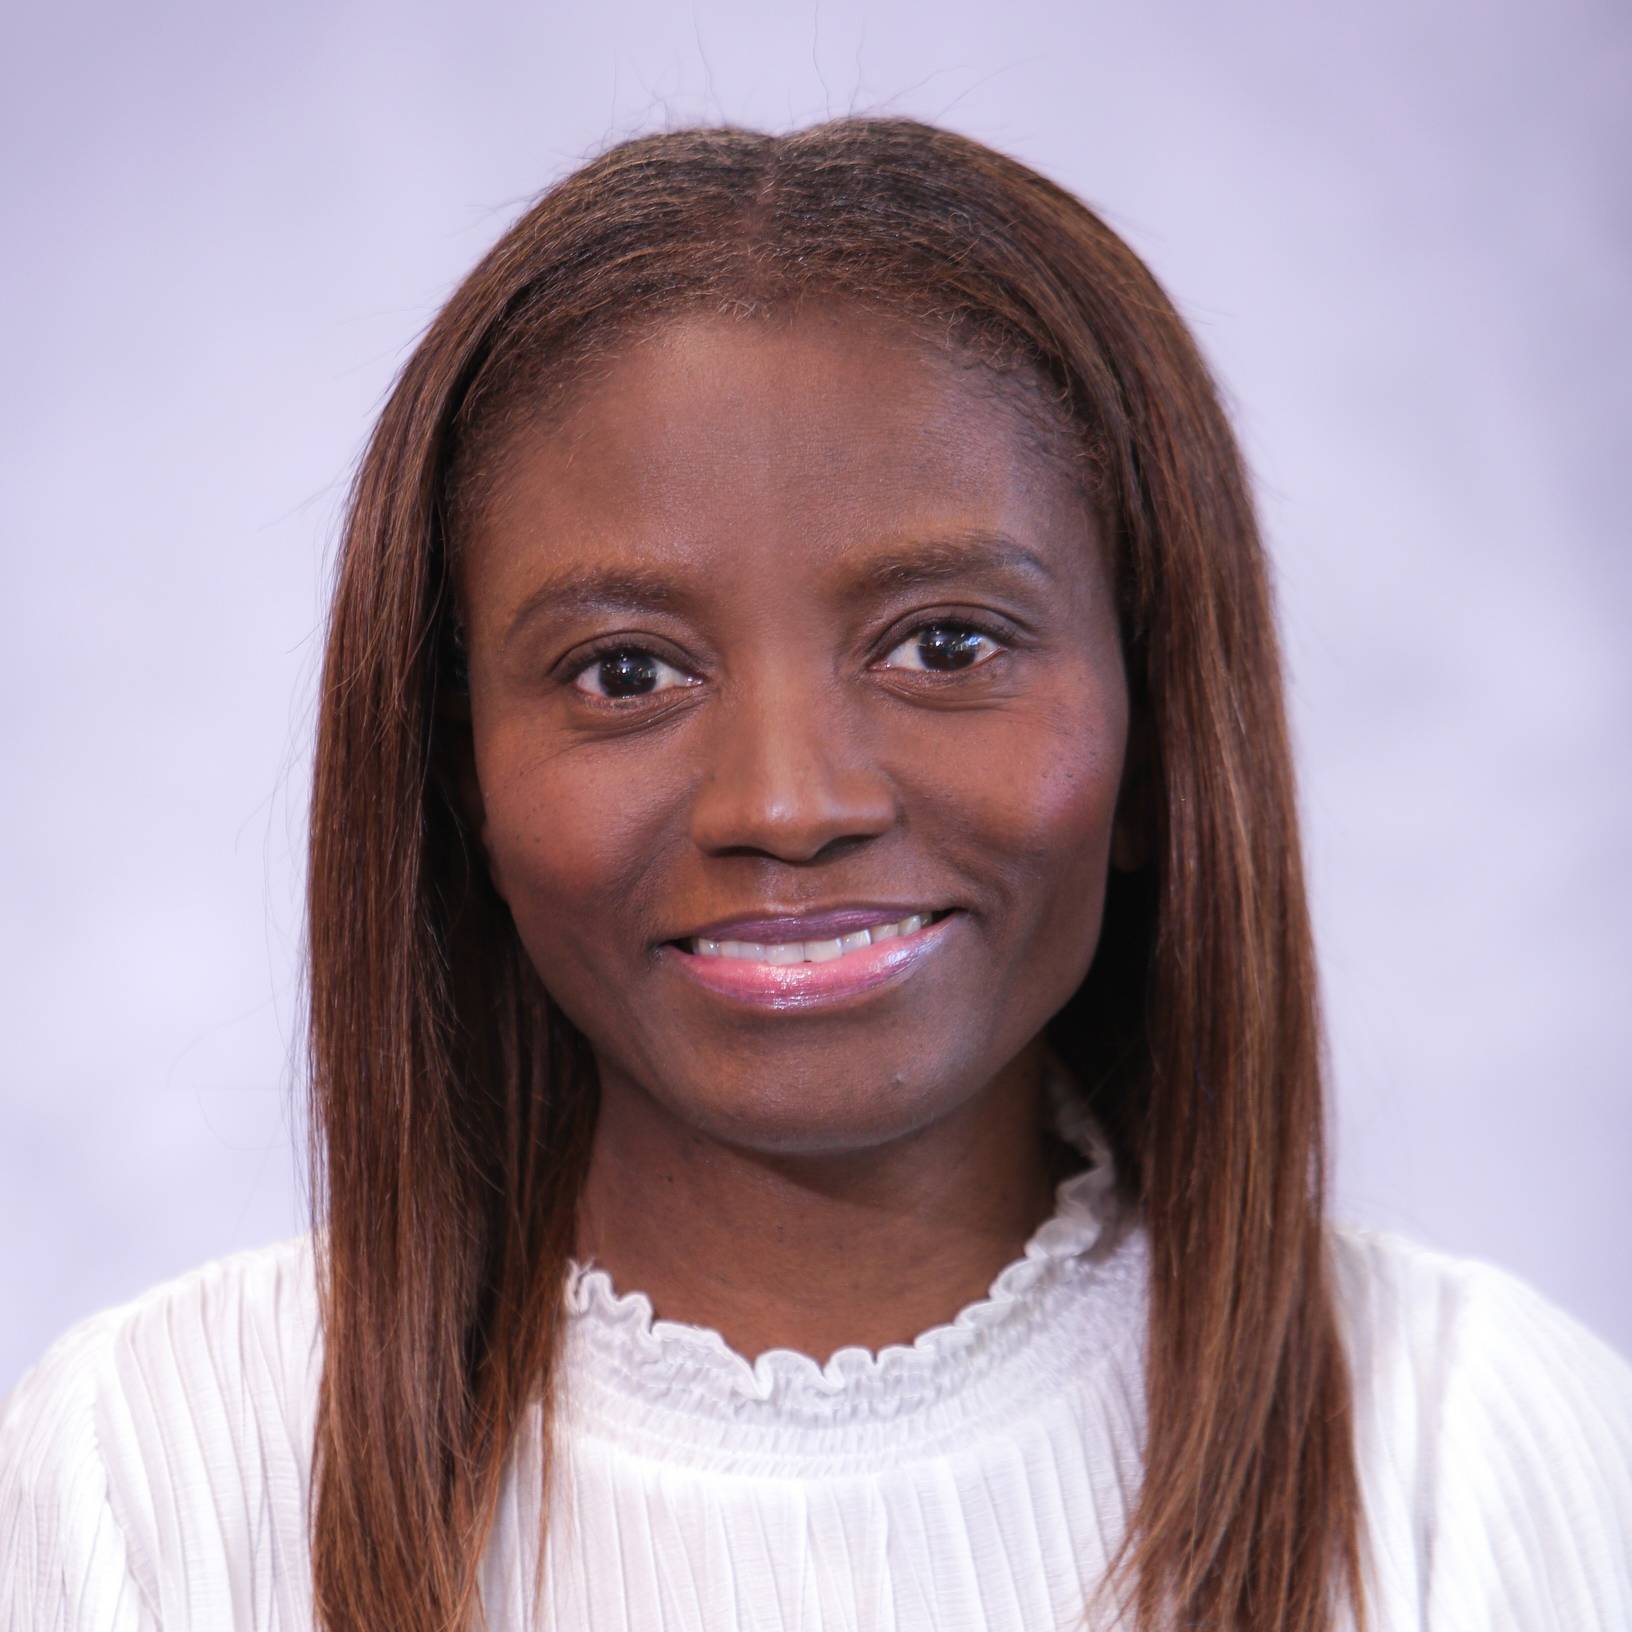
column 64, row 1565
column 1529, row 1521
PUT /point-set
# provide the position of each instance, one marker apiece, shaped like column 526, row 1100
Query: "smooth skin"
column 791, row 616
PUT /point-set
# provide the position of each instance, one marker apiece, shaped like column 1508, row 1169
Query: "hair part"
column 454, row 1105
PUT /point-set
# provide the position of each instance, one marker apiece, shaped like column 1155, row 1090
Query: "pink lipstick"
column 818, row 958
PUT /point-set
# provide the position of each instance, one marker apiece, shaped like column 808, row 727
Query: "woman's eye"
column 943, row 648
column 631, row 671
column 627, row 671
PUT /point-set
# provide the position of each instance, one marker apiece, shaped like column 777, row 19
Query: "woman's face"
column 788, row 638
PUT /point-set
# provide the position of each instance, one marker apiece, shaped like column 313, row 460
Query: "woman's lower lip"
column 804, row 985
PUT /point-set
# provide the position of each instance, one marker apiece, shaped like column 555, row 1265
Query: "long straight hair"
column 453, row 1105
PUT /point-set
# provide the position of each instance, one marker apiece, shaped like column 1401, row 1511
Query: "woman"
column 817, row 1088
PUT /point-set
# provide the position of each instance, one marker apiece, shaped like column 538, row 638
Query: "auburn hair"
column 453, row 1105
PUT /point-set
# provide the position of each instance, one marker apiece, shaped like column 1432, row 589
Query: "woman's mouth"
column 797, row 973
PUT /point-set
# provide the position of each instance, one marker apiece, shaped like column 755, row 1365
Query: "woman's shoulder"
column 1494, row 1432
column 241, row 1324
column 178, row 1423
column 1458, row 1320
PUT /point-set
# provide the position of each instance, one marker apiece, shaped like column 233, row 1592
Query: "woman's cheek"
column 1037, row 782
column 572, row 837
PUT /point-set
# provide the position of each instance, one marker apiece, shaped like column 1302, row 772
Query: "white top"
column 155, row 1464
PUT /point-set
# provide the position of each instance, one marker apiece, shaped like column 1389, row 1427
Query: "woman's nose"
column 787, row 776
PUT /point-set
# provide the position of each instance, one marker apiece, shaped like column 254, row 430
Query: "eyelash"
column 962, row 624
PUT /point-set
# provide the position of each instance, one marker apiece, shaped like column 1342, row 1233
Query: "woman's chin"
column 820, row 1112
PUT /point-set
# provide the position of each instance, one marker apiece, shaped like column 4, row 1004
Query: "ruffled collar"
column 1041, row 1318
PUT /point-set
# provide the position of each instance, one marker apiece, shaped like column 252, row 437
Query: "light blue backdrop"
column 1402, row 238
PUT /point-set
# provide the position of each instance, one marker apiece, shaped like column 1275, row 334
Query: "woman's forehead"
column 717, row 437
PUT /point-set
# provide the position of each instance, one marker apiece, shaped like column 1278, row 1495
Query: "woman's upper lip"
column 772, row 926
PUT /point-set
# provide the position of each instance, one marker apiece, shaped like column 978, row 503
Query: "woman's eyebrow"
column 922, row 559
column 936, row 558
column 597, row 589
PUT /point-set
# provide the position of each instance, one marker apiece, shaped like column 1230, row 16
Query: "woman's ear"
column 454, row 765
column 1134, row 821
column 456, row 757
column 454, row 751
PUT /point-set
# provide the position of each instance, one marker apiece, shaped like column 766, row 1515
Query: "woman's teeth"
column 808, row 951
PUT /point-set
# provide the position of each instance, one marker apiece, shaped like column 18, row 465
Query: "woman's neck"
column 817, row 1253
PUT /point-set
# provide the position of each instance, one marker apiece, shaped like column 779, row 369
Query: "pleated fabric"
column 155, row 1465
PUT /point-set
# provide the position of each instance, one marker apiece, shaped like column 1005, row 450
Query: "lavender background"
column 1402, row 238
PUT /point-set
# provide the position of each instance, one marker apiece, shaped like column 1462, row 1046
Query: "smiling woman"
column 829, row 566
column 818, row 1116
